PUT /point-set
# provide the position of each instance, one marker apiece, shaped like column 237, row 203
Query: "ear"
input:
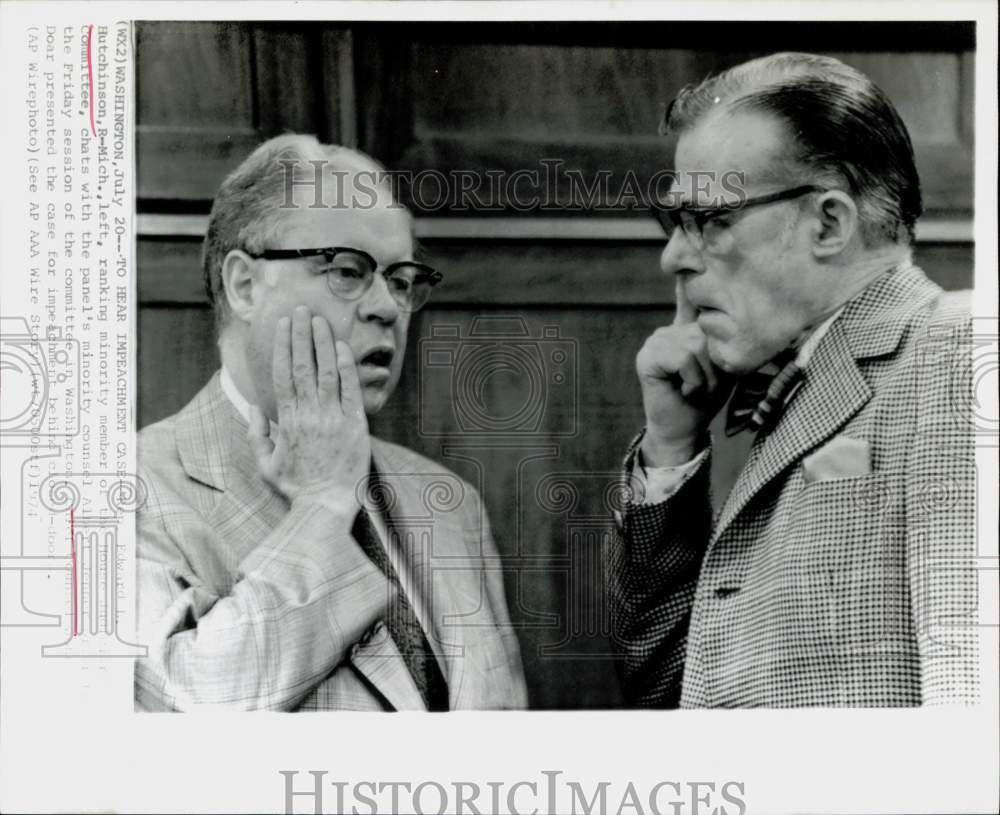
column 238, row 279
column 836, row 224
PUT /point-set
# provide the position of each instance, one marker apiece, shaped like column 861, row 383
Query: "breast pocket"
column 845, row 560
column 835, row 523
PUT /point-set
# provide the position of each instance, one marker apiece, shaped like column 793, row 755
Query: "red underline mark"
column 72, row 564
column 90, row 80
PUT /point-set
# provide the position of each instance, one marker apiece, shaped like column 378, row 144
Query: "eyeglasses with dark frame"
column 351, row 272
column 692, row 219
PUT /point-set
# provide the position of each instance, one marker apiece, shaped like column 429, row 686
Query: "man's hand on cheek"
column 321, row 446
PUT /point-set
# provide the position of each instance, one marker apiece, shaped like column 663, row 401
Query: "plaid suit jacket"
column 249, row 603
column 856, row 591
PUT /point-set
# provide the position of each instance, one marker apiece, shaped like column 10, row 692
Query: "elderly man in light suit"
column 288, row 560
column 837, row 571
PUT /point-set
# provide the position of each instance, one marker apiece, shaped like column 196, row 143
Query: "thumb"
column 351, row 397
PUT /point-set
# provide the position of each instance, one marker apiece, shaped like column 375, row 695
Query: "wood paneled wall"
column 542, row 433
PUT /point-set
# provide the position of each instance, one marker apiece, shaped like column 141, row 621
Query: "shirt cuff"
column 656, row 484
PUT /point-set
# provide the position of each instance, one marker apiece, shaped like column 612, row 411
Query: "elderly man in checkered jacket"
column 837, row 571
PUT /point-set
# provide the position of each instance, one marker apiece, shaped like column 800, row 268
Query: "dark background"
column 556, row 407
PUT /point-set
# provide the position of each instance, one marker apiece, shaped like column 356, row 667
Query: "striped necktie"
column 762, row 396
column 402, row 622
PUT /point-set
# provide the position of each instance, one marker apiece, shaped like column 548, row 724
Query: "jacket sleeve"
column 301, row 599
column 654, row 559
column 941, row 518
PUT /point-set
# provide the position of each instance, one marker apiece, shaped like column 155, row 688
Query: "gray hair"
column 250, row 207
column 843, row 131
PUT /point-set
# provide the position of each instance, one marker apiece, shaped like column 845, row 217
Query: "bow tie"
column 762, row 396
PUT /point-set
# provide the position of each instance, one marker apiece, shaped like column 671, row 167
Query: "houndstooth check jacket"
column 248, row 603
column 856, row 591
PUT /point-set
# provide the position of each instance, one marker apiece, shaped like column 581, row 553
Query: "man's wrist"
column 339, row 502
column 659, row 452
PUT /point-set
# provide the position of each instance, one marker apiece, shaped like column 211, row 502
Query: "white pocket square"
column 841, row 457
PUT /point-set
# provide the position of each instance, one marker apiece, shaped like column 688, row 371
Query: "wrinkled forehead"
column 729, row 153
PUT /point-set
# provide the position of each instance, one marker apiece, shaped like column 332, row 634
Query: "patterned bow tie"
column 762, row 396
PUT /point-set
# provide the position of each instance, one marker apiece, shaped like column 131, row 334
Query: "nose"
column 679, row 256
column 377, row 303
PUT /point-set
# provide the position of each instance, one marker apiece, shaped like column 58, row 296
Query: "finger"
column 351, row 399
column 692, row 376
column 281, row 368
column 303, row 362
column 686, row 313
column 327, row 378
column 698, row 346
column 258, row 434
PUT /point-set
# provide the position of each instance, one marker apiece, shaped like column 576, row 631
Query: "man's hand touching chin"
column 682, row 389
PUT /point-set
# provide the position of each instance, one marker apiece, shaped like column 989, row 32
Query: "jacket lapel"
column 380, row 662
column 203, row 435
column 835, row 387
column 833, row 392
column 426, row 518
column 211, row 440
column 212, row 446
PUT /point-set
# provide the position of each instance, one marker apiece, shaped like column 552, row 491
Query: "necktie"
column 402, row 622
column 761, row 397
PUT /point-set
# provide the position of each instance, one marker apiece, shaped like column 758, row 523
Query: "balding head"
column 284, row 174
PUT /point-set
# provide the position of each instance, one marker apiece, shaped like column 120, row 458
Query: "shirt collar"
column 802, row 349
column 237, row 399
column 812, row 339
